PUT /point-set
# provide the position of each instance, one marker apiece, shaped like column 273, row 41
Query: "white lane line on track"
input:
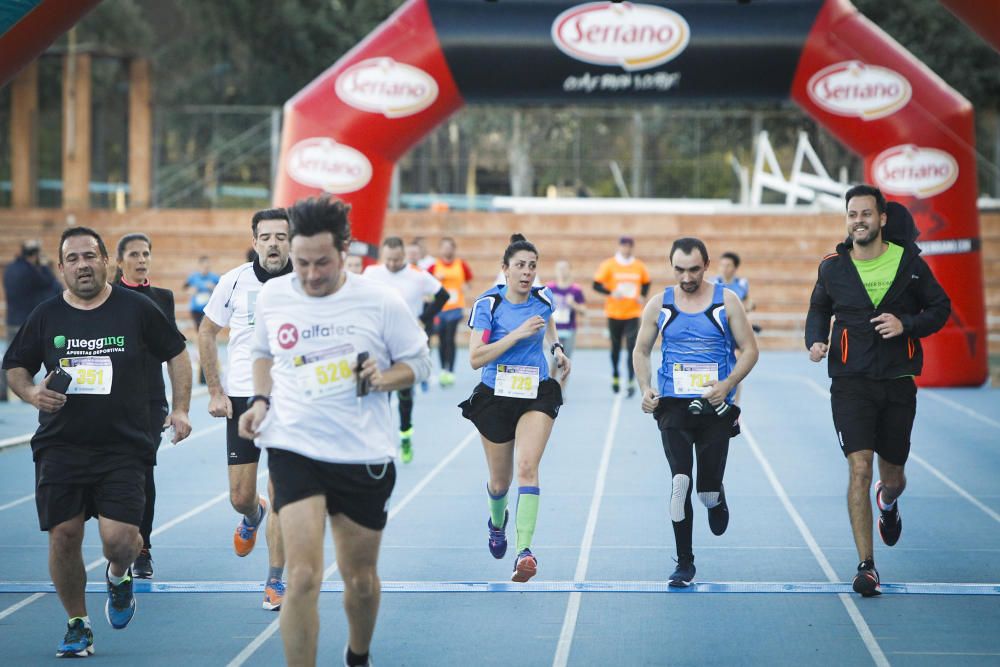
column 269, row 631
column 958, row 407
column 157, row 531
column 565, row 645
column 951, row 484
column 878, row 657
column 19, row 501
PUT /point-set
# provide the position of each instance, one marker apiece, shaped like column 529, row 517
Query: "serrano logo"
column 288, row 336
column 320, row 162
column 382, row 85
column 853, row 88
column 914, row 170
column 632, row 36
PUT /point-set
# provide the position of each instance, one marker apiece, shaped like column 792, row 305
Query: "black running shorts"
column 672, row 414
column 874, row 415
column 239, row 450
column 112, row 488
column 359, row 491
column 496, row 417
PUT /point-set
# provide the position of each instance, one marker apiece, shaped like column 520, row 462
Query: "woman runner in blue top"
column 516, row 403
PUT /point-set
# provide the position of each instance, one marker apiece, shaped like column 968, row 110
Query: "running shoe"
column 718, row 516
column 890, row 524
column 245, row 536
column 866, row 581
column 425, row 386
column 525, row 567
column 78, row 642
column 614, row 385
column 368, row 662
column 274, row 594
column 630, row 389
column 498, row 536
column 683, row 575
column 446, row 379
column 120, row 606
column 406, row 445
column 142, row 568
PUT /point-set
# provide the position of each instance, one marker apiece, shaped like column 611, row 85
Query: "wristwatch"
column 259, row 397
column 552, row 350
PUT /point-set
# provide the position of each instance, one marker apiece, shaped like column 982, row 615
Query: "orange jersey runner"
column 625, row 282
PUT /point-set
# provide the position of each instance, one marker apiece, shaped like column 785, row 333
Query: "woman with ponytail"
column 516, row 403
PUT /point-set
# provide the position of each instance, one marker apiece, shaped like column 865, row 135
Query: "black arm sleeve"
column 935, row 302
column 434, row 307
column 598, row 287
column 645, row 289
column 820, row 312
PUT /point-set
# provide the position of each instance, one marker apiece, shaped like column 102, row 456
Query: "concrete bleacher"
column 780, row 252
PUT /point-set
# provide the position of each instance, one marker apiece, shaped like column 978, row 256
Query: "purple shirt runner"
column 564, row 315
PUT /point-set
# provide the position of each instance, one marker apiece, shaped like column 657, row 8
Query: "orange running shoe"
column 245, row 536
column 274, row 593
column 525, row 567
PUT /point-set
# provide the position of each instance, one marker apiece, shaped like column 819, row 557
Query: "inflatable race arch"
column 344, row 132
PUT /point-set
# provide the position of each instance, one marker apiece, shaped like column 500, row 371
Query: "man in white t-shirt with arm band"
column 327, row 345
column 233, row 305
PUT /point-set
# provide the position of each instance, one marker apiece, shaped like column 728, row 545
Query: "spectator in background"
column 27, row 281
column 413, row 255
column 199, row 286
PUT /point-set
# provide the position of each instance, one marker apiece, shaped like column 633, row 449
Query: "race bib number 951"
column 90, row 375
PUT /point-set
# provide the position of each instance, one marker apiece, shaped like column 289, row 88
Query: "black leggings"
column 446, row 347
column 405, row 408
column 629, row 330
column 680, row 446
column 157, row 415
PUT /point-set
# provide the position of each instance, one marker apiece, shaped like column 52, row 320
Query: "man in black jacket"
column 884, row 299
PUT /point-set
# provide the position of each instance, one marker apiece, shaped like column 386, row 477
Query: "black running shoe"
column 718, row 516
column 142, row 568
column 684, row 574
column 615, row 387
column 866, row 581
column 890, row 524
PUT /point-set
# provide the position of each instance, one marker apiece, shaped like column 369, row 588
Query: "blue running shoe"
column 498, row 536
column 684, row 573
column 120, row 606
column 78, row 642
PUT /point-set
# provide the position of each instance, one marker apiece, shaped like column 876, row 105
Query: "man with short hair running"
column 701, row 325
column 425, row 297
column 328, row 346
column 233, row 305
column 93, row 444
column 884, row 299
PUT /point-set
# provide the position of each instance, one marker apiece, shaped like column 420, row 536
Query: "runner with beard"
column 233, row 305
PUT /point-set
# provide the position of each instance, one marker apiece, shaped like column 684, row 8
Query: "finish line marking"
column 144, row 587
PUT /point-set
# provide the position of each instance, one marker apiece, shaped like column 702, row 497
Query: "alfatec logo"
column 914, row 170
column 632, row 36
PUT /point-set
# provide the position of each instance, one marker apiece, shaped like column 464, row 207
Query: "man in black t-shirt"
column 93, row 443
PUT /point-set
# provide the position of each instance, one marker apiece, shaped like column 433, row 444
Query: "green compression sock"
column 527, row 515
column 498, row 507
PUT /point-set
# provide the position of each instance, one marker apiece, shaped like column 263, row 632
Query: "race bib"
column 628, row 290
column 329, row 372
column 516, row 381
column 453, row 295
column 202, row 298
column 91, row 375
column 693, row 378
column 562, row 314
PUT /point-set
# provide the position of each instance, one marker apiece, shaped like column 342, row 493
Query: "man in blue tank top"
column 701, row 325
